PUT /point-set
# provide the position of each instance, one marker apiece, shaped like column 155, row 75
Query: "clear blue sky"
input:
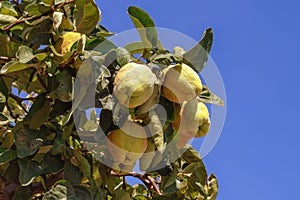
column 257, row 50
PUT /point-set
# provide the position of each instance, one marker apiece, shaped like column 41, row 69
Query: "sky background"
column 257, row 51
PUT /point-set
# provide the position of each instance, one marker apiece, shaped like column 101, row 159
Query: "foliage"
column 43, row 45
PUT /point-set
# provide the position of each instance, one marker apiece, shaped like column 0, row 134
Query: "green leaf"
column 59, row 1
column 40, row 56
column 163, row 197
column 29, row 169
column 27, row 141
column 7, row 48
column 165, row 57
column 213, row 187
column 63, row 189
column 121, row 195
column 83, row 164
column 169, row 180
column 145, row 26
column 7, row 155
column 87, row 16
column 8, row 140
column 191, row 155
column 12, row 66
column 64, row 90
column 7, row 8
column 140, row 197
column 197, row 171
column 82, row 193
column 2, row 105
column 23, row 193
column 135, row 47
column 103, row 32
column 38, row 113
column 37, row 9
column 197, row 56
column 6, row 19
column 58, row 146
column 207, row 96
column 47, row 2
column 3, row 94
column 48, row 166
column 39, row 31
column 24, row 54
column 2, row 117
column 100, row 45
column 72, row 173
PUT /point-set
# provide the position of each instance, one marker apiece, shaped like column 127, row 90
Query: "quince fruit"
column 126, row 146
column 181, row 83
column 134, row 84
column 191, row 120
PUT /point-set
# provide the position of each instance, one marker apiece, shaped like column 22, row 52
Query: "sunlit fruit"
column 181, row 83
column 127, row 145
column 134, row 84
column 191, row 120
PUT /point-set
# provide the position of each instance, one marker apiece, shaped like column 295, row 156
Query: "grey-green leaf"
column 213, row 187
column 207, row 96
column 38, row 113
column 29, row 169
column 7, row 8
column 135, row 47
column 145, row 26
column 24, row 54
column 12, row 66
column 6, row 19
column 39, row 32
column 7, row 155
column 60, row 190
column 63, row 189
column 197, row 56
column 27, row 141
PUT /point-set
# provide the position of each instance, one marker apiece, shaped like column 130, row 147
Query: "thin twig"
column 11, row 112
column 42, row 82
column 153, row 183
column 22, row 19
column 18, row 6
column 19, row 99
column 6, row 58
column 145, row 178
column 124, row 183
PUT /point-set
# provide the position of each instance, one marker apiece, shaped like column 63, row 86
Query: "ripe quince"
column 191, row 120
column 134, row 84
column 181, row 83
column 126, row 145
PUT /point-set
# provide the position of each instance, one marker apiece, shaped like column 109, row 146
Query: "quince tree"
column 54, row 55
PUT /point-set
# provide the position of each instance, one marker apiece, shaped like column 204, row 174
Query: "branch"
column 11, row 112
column 42, row 82
column 145, row 178
column 19, row 99
column 22, row 19
column 6, row 58
column 18, row 6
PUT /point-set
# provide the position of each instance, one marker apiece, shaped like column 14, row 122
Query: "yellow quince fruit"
column 126, row 146
column 134, row 84
column 181, row 83
column 191, row 120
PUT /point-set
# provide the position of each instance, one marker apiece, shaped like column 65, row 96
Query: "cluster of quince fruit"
column 138, row 88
